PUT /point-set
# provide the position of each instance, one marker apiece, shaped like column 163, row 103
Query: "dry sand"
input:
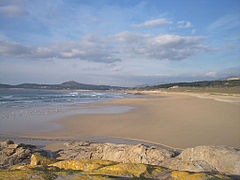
column 177, row 120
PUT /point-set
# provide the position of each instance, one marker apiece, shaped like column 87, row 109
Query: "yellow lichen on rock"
column 90, row 177
column 30, row 174
column 24, row 174
column 220, row 176
column 156, row 170
column 82, row 164
column 99, row 169
column 181, row 175
column 19, row 167
column 37, row 159
column 122, row 169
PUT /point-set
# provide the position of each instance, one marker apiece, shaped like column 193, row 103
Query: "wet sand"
column 177, row 120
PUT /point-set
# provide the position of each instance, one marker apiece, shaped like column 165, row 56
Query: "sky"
column 118, row 42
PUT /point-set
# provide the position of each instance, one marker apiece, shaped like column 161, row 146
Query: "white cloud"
column 184, row 24
column 90, row 49
column 11, row 10
column 108, row 50
column 162, row 47
column 211, row 74
column 151, row 23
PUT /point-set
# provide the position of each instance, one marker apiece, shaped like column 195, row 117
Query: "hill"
column 219, row 83
column 69, row 85
column 219, row 86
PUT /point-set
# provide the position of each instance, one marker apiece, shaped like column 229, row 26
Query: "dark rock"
column 12, row 154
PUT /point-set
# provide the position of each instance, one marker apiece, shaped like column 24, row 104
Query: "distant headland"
column 232, row 83
column 69, row 85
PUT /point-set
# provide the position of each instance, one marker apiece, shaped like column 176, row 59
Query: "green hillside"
column 219, row 86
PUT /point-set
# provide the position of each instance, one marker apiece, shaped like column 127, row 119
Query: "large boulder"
column 115, row 152
column 135, row 154
column 80, row 150
column 12, row 154
column 207, row 159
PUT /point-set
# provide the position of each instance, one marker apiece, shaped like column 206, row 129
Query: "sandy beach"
column 172, row 119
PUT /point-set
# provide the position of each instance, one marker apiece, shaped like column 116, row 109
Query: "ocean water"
column 36, row 110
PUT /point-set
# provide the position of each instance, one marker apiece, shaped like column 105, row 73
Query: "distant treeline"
column 217, row 84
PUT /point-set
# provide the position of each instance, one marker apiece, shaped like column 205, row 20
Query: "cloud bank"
column 107, row 50
column 162, row 47
column 89, row 48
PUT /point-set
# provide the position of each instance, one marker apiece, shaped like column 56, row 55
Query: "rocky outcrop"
column 199, row 159
column 207, row 159
column 11, row 153
column 212, row 159
column 115, row 152
column 121, row 160
column 99, row 169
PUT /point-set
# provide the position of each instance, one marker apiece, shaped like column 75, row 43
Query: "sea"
column 23, row 110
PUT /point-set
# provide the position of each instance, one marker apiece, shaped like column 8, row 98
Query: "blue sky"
column 118, row 42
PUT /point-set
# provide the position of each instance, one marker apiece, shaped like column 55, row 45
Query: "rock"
column 207, row 159
column 5, row 143
column 135, row 154
column 121, row 160
column 77, row 150
column 101, row 169
column 12, row 154
column 12, row 146
column 124, row 169
column 179, row 175
column 115, row 152
column 198, row 159
column 37, row 159
column 82, row 164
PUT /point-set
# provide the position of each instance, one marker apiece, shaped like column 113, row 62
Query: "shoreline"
column 21, row 113
column 161, row 120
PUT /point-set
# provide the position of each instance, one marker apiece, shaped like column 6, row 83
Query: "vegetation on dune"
column 220, row 86
column 219, row 83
